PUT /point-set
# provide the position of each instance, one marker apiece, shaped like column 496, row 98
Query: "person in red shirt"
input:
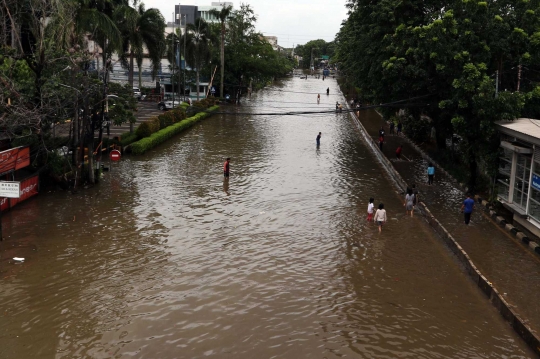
column 398, row 152
column 226, row 168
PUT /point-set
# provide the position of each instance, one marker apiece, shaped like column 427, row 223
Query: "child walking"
column 380, row 216
column 370, row 209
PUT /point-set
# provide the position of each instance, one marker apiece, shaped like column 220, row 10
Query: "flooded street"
column 166, row 260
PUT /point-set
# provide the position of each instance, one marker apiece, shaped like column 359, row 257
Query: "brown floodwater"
column 165, row 259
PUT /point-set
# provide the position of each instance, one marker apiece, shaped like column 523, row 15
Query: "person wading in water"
column 226, row 168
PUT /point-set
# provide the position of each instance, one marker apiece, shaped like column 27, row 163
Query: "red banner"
column 29, row 188
column 14, row 159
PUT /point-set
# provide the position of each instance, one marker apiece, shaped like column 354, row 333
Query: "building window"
column 521, row 183
column 503, row 177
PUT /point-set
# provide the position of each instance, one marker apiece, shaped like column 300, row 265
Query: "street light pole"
column 185, row 55
column 173, row 56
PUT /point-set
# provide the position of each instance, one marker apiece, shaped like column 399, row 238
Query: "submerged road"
column 166, row 260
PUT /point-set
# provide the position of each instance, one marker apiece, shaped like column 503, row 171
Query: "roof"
column 527, row 129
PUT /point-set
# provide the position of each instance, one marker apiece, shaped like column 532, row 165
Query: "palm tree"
column 142, row 28
column 198, row 38
column 222, row 15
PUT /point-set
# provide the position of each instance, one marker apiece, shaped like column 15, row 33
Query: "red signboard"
column 115, row 155
column 29, row 188
column 14, row 159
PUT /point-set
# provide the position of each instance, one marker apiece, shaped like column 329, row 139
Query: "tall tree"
column 222, row 15
column 198, row 38
column 142, row 29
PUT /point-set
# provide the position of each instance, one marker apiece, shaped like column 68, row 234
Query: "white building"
column 272, row 40
column 204, row 11
column 518, row 180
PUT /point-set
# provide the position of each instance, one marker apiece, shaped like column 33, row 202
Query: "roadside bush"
column 161, row 136
column 128, row 138
column 144, row 130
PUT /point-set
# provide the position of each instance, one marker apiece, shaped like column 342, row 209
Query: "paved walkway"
column 512, row 268
column 146, row 110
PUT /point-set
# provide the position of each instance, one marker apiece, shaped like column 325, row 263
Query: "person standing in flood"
column 381, row 142
column 398, row 152
column 318, row 98
column 380, row 216
column 409, row 202
column 318, row 139
column 430, row 173
column 327, row 91
column 370, row 207
column 467, row 208
column 226, row 168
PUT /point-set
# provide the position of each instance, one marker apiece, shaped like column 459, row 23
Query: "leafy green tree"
column 141, row 29
column 198, row 47
column 222, row 15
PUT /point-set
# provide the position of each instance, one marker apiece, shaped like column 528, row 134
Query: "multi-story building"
column 272, row 40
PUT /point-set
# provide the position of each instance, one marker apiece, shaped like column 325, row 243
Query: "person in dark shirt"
column 467, row 208
column 381, row 142
column 319, row 139
column 392, row 125
column 381, row 132
column 226, row 168
column 328, row 91
column 399, row 128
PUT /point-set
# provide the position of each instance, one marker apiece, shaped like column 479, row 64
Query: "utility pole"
column 185, row 55
column 519, row 77
column 496, row 83
column 173, row 56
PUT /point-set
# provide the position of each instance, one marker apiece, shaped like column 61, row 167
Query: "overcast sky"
column 292, row 21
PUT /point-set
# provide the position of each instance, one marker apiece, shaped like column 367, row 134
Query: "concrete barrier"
column 502, row 306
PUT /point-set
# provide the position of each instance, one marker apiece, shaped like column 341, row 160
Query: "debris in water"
column 18, row 259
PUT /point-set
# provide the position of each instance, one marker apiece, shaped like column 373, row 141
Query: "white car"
column 137, row 93
column 168, row 104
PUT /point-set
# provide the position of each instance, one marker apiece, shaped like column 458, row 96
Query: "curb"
column 533, row 245
column 496, row 299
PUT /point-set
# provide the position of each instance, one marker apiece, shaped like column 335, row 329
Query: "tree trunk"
column 140, row 78
column 131, row 68
column 222, row 59
column 198, row 83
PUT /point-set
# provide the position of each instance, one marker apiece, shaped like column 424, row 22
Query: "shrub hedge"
column 164, row 134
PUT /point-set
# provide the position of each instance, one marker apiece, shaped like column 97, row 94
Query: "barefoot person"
column 226, row 168
column 409, row 202
column 467, row 208
column 380, row 216
column 370, row 209
column 430, row 173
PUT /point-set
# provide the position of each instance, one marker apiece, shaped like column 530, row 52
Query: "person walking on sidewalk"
column 226, row 168
column 318, row 139
column 430, row 173
column 398, row 152
column 380, row 216
column 409, row 202
column 381, row 141
column 370, row 207
column 467, row 208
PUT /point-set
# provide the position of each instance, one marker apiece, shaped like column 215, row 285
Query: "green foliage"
column 161, row 136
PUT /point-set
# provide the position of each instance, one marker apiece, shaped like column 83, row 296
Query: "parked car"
column 168, row 104
column 138, row 94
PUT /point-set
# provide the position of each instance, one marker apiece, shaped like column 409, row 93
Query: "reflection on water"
column 166, row 259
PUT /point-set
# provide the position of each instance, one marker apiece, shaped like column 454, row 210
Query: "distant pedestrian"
column 398, row 152
column 409, row 202
column 337, row 106
column 380, row 216
column 328, row 91
column 370, row 207
column 392, row 126
column 318, row 139
column 318, row 98
column 381, row 132
column 430, row 173
column 399, row 128
column 381, row 142
column 467, row 208
column 226, row 168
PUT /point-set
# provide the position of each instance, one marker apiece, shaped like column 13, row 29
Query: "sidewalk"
column 511, row 267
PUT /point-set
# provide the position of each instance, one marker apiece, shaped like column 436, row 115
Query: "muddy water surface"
column 166, row 260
